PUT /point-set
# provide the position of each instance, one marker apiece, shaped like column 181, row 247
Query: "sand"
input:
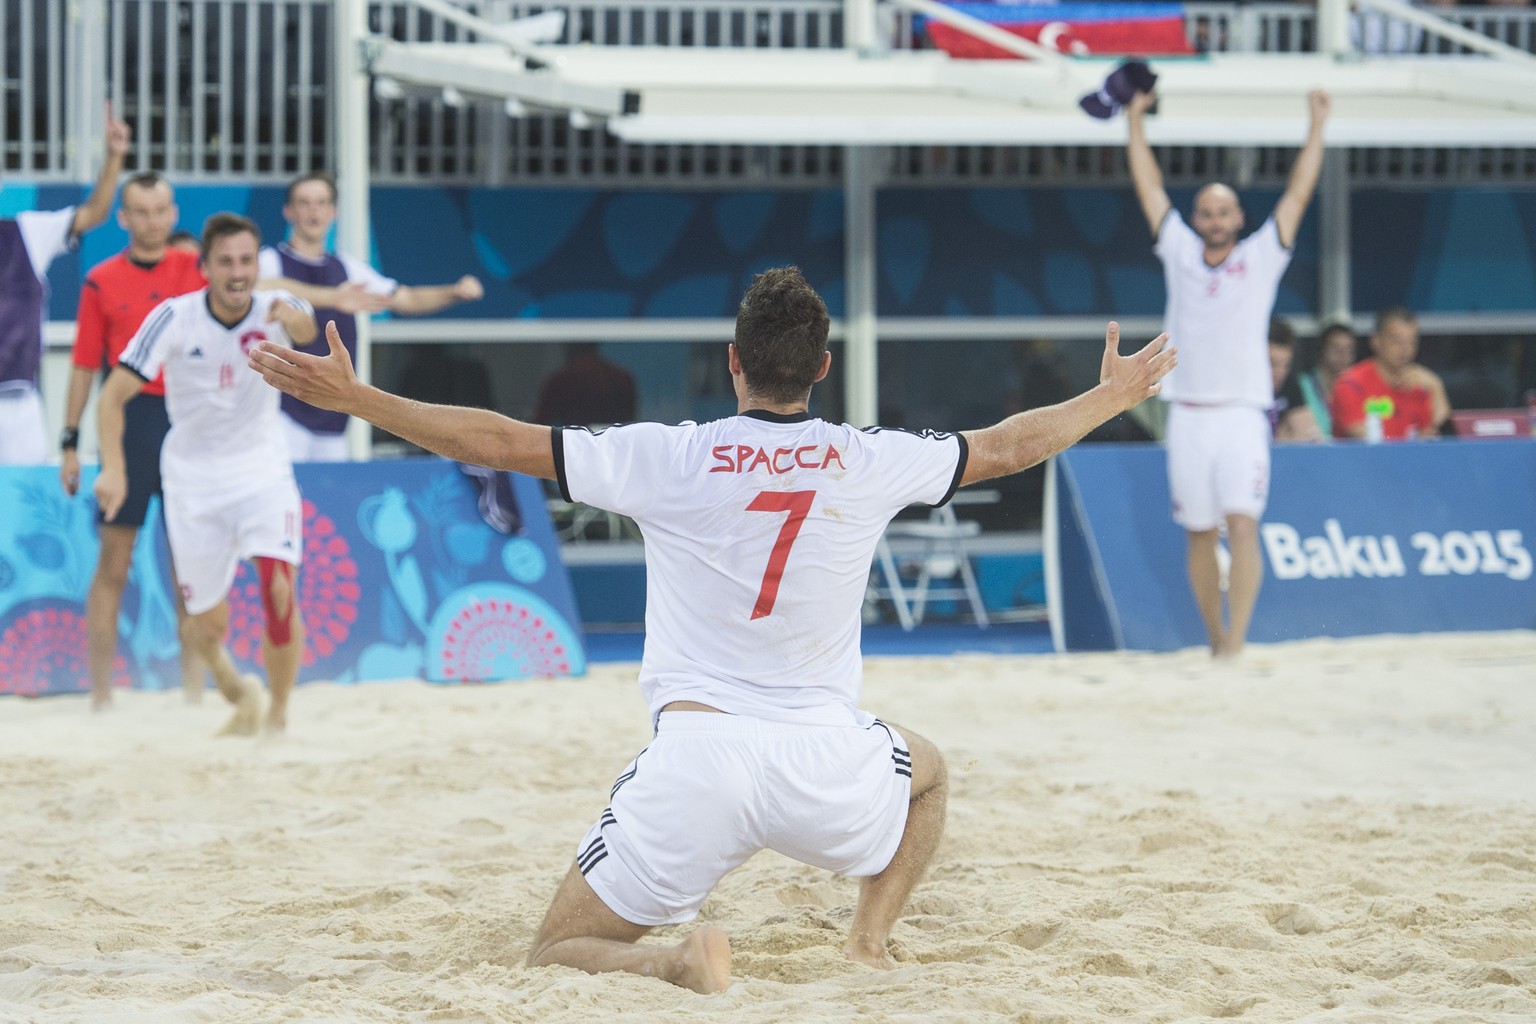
column 1331, row 831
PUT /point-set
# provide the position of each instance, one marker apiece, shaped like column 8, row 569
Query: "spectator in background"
column 1336, row 353
column 587, row 391
column 1410, row 397
column 118, row 295
column 1289, row 417
column 29, row 242
column 339, row 287
column 184, row 240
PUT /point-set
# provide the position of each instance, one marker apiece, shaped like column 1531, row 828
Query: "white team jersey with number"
column 1218, row 317
column 225, row 435
column 759, row 532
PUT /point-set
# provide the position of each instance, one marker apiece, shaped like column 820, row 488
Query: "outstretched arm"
column 347, row 297
column 475, row 436
column 1145, row 174
column 96, row 207
column 419, row 300
column 1305, row 171
column 1031, row 437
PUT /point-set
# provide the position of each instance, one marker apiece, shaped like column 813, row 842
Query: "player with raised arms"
column 759, row 533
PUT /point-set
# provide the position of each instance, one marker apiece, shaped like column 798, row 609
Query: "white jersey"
column 759, row 533
column 225, row 436
column 1218, row 317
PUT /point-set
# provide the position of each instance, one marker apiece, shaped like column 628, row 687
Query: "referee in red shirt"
column 118, row 295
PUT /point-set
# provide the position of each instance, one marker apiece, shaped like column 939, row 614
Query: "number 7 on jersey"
column 798, row 505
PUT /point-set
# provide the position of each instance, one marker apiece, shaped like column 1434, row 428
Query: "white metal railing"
column 238, row 89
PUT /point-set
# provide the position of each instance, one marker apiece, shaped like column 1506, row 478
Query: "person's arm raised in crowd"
column 420, row 300
column 1304, row 172
column 96, row 206
column 476, row 436
column 347, row 297
column 1145, row 174
column 1028, row 438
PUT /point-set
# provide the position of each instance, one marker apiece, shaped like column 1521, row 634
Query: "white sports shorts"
column 211, row 534
column 1218, row 463
column 22, row 428
column 713, row 789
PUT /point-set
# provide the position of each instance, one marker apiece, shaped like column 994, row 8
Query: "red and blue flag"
column 1079, row 29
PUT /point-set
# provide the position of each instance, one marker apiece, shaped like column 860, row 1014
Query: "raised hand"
column 468, row 288
column 1141, row 102
column 1135, row 377
column 1319, row 104
column 119, row 135
column 328, row 381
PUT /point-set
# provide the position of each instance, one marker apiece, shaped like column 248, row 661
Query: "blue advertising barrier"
column 402, row 577
column 1357, row 539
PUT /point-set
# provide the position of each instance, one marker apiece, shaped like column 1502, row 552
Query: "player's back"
column 759, row 532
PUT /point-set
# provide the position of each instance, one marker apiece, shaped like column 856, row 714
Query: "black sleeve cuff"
column 557, row 444
column 954, row 483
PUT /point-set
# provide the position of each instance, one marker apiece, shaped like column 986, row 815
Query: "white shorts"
column 23, row 428
column 210, row 534
column 304, row 445
column 1218, row 463
column 713, row 789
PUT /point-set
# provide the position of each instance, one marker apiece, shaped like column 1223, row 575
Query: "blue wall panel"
column 401, row 578
column 1358, row 539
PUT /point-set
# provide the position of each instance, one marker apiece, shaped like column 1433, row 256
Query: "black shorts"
column 145, row 423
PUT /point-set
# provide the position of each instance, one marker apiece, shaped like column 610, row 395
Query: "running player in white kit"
column 227, row 479
column 1221, row 292
column 759, row 533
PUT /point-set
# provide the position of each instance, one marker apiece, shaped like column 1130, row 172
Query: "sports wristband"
column 70, row 439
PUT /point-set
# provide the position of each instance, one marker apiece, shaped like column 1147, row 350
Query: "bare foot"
column 704, row 960
column 192, row 689
column 869, row 955
column 247, row 716
column 101, row 701
column 277, row 721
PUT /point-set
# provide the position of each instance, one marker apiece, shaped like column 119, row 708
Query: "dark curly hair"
column 781, row 335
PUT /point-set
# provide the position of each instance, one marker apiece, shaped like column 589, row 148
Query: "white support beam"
column 349, row 113
column 1334, row 243
column 86, row 25
column 482, row 69
column 860, row 391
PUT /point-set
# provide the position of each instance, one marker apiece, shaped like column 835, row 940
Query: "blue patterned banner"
column 402, row 578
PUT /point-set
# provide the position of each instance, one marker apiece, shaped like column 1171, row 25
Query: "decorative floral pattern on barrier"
column 328, row 595
column 45, row 642
column 396, row 557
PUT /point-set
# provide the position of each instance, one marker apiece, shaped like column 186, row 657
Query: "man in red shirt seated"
column 1410, row 397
